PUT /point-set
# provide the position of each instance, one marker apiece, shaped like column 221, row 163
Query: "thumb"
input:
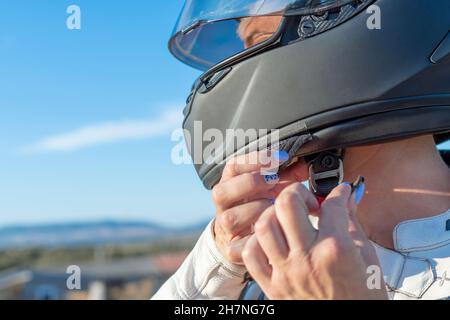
column 334, row 214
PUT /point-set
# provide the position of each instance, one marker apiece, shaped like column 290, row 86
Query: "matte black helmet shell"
column 347, row 86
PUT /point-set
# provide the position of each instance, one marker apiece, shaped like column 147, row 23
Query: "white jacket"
column 419, row 268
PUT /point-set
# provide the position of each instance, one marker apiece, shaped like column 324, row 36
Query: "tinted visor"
column 209, row 31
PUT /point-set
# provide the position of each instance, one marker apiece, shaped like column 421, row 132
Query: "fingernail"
column 277, row 158
column 272, row 178
column 359, row 193
column 346, row 184
column 281, row 156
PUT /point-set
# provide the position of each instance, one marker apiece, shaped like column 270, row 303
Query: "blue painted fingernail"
column 346, row 184
column 359, row 193
column 272, row 178
column 280, row 156
column 277, row 158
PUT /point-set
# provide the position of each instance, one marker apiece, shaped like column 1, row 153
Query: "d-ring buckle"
column 326, row 172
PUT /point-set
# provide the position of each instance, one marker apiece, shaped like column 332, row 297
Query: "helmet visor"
column 209, row 31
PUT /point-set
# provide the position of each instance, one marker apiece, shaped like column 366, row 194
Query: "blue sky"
column 75, row 109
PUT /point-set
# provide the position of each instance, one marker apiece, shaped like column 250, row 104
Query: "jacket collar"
column 404, row 273
column 421, row 234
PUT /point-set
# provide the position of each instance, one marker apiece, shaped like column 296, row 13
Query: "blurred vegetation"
column 44, row 257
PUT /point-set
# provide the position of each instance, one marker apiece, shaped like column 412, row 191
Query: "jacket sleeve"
column 205, row 274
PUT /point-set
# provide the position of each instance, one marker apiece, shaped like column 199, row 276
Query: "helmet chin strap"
column 326, row 172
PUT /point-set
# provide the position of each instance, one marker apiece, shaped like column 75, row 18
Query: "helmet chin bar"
column 326, row 172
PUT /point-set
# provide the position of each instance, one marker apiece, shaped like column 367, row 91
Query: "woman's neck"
column 405, row 180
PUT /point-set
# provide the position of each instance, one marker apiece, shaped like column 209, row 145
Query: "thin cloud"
column 108, row 132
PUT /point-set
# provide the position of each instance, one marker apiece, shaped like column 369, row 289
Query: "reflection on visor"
column 208, row 44
column 208, row 31
column 254, row 30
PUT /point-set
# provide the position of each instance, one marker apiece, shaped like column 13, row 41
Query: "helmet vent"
column 314, row 24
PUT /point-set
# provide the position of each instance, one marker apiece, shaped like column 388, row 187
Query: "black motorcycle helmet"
column 329, row 74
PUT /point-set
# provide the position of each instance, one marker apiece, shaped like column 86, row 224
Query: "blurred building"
column 132, row 278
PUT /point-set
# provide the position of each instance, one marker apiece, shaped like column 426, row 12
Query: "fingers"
column 293, row 207
column 355, row 229
column 338, row 220
column 334, row 216
column 252, row 185
column 234, row 249
column 252, row 162
column 357, row 232
column 244, row 187
column 270, row 236
column 256, row 262
column 243, row 179
column 243, row 194
column 262, row 161
column 297, row 172
column 240, row 218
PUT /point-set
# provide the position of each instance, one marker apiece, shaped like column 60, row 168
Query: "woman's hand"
column 290, row 259
column 243, row 194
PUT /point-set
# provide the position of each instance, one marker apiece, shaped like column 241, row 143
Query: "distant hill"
column 95, row 233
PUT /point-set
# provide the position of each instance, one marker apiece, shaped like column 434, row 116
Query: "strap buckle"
column 326, row 172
